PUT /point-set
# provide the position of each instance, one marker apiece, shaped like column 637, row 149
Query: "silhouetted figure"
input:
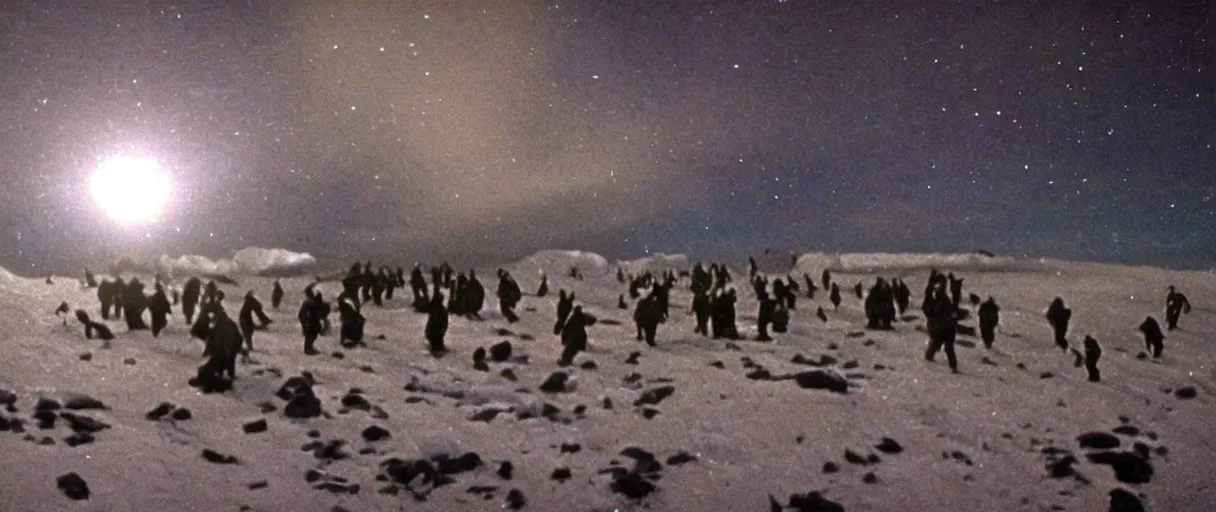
column 134, row 302
column 223, row 345
column 105, row 296
column 436, row 324
column 89, row 280
column 857, row 290
column 810, row 286
column 902, row 295
column 990, row 316
column 620, row 275
column 543, row 289
column 752, row 268
column 702, row 308
column 574, row 335
column 508, row 295
column 250, row 307
column 956, row 289
column 821, row 314
column 310, row 320
column 456, row 300
column 90, row 328
column 942, row 327
column 62, row 311
column 191, row 293
column 723, row 318
column 379, row 283
column 350, row 334
column 1092, row 353
column 1154, row 339
column 565, row 304
column 975, row 299
column 418, row 287
column 1058, row 316
column 620, row 302
column 276, row 295
column 880, row 306
column 1176, row 304
column 764, row 317
column 826, row 279
column 647, row 316
column 160, row 309
column 474, row 296
column 835, row 297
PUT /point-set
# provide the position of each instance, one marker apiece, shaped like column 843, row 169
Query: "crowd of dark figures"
column 448, row 293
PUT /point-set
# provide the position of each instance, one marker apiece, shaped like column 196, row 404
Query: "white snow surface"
column 656, row 263
column 248, row 261
column 972, row 441
column 872, row 262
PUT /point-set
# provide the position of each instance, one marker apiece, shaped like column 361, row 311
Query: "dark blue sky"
column 405, row 131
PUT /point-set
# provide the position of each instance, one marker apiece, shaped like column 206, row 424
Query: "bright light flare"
column 130, row 190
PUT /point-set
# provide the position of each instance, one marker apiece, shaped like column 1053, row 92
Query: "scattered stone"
column 86, row 356
column 1129, row 467
column 77, row 439
column 487, row 414
column 501, row 351
column 850, row 364
column 160, row 411
column 853, row 457
column 356, row 401
column 718, row 364
column 561, row 474
column 81, row 423
column 814, row 502
column 337, row 354
column 632, row 485
column 375, row 433
column 633, row 357
column 267, row 407
column 215, row 457
column 680, row 458
column 555, row 383
column 869, row 478
column 82, row 402
column 506, row 470
column 606, row 403
column 182, row 414
column 7, row 397
column 1062, row 468
column 508, row 374
column 255, row 426
column 1186, row 392
column 73, row 486
column 130, row 361
column 889, row 446
column 1123, row 501
column 1127, row 430
column 588, row 365
column 650, row 412
column 1046, row 375
column 260, row 484
column 1098, row 440
column 822, row 379
column 830, row 467
column 46, row 419
column 654, row 396
column 570, row 448
column 986, row 360
column 47, row 404
column 515, row 500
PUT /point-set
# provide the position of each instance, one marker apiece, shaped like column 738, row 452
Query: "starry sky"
column 479, row 131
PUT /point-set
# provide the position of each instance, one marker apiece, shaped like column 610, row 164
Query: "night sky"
column 479, row 131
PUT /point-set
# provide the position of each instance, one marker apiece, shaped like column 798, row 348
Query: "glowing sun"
column 130, row 190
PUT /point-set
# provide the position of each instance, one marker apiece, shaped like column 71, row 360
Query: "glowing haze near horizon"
column 480, row 131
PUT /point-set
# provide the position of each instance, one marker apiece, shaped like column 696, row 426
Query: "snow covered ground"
column 979, row 440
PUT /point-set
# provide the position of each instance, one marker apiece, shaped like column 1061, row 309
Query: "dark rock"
column 606, row 403
column 508, row 374
column 822, row 379
column 1123, row 501
column 79, row 438
column 182, row 414
column 1061, row 468
column 332, row 450
column 7, row 397
column 1098, row 440
column 160, row 411
column 501, row 351
column 313, row 434
column 1127, row 430
column 555, row 383
column 650, row 412
column 830, row 467
column 561, row 474
column 506, row 470
column 633, row 357
column 46, row 419
column 375, row 433
column 850, row 364
column 644, row 461
column 588, row 365
column 1046, row 375
column 487, row 415
column 888, row 445
column 260, row 484
column 814, row 502
column 302, row 407
column 654, row 396
column 85, row 356
column 1142, row 450
column 869, row 478
column 632, row 485
column 81, row 402
column 355, row 401
column 853, row 457
column 717, row 364
column 570, row 448
column 47, row 404
column 1186, row 392
column 293, row 387
column 1129, row 468
column 255, row 426
column 515, row 500
column 215, row 457
column 81, row 423
column 266, row 407
column 680, row 458
column 73, row 486
column 760, row 374
column 466, row 462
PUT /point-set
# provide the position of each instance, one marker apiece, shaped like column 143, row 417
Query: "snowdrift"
column 657, row 263
column 812, row 263
column 560, row 262
column 247, row 261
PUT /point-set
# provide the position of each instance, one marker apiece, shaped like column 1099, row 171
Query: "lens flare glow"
column 131, row 190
